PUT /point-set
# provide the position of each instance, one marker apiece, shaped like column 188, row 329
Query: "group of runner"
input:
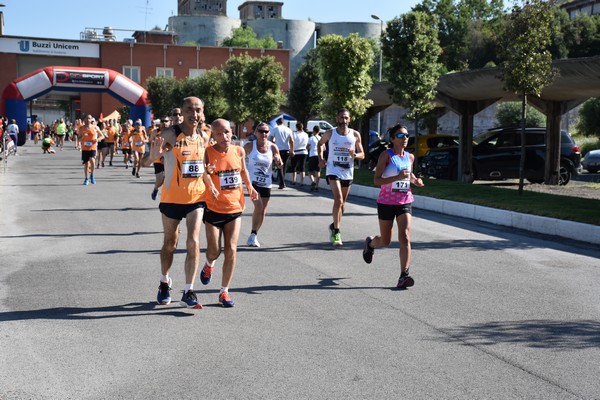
column 203, row 173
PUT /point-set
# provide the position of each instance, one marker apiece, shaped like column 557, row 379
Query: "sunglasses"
column 401, row 135
column 263, row 130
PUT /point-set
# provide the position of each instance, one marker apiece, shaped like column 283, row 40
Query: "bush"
column 509, row 114
column 589, row 118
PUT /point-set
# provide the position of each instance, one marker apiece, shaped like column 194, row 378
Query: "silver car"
column 591, row 162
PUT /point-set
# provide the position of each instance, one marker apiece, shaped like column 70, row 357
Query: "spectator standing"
column 313, row 158
column 282, row 136
column 13, row 131
column 298, row 162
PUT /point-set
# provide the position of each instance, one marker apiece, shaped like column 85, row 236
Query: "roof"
column 578, row 80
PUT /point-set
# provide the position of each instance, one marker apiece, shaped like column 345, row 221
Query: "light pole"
column 380, row 66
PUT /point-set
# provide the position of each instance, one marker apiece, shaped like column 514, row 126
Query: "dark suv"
column 497, row 153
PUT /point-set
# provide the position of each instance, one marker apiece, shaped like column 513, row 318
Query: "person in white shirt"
column 300, row 154
column 13, row 131
column 282, row 136
column 313, row 159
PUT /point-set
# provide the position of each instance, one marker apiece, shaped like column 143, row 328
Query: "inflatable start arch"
column 79, row 79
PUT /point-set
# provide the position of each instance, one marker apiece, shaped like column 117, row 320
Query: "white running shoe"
column 252, row 241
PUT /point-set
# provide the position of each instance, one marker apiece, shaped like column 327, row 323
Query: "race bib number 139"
column 230, row 180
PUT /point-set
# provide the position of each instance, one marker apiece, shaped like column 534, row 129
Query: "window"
column 132, row 73
column 195, row 73
column 166, row 72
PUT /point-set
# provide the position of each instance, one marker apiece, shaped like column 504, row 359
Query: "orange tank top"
column 125, row 140
column 184, row 167
column 227, row 179
column 139, row 141
column 89, row 139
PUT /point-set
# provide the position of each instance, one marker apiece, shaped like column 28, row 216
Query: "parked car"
column 428, row 142
column 591, row 161
column 497, row 153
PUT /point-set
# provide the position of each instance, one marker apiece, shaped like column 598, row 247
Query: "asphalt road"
column 494, row 313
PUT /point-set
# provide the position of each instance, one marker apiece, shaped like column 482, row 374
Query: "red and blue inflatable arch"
column 73, row 79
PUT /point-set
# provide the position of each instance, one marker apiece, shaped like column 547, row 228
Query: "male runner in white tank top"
column 344, row 147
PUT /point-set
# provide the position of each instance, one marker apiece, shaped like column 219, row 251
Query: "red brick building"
column 157, row 56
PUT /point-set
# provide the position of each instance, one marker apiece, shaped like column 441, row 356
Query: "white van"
column 324, row 125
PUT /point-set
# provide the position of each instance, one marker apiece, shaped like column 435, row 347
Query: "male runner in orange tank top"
column 182, row 196
column 226, row 170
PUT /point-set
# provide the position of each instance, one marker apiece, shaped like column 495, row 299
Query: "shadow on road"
column 538, row 334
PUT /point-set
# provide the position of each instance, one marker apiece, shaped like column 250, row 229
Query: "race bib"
column 401, row 186
column 87, row 144
column 261, row 180
column 341, row 158
column 192, row 168
column 139, row 143
column 230, row 180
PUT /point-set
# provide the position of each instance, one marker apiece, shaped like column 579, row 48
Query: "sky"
column 61, row 19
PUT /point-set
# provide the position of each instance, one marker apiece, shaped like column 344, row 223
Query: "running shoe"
column 137, row 175
column 336, row 239
column 405, row 281
column 92, row 180
column 127, row 166
column 331, row 232
column 206, row 274
column 86, row 181
column 368, row 250
column 133, row 171
column 252, row 240
column 190, row 300
column 312, row 186
column 225, row 300
column 164, row 296
column 154, row 194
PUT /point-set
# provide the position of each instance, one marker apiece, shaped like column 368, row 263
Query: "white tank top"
column 259, row 166
column 339, row 162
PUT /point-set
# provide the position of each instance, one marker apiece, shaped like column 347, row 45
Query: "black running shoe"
column 405, row 281
column 368, row 250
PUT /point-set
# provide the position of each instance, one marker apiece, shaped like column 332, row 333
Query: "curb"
column 534, row 223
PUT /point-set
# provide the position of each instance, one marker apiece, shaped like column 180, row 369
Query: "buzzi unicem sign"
column 49, row 47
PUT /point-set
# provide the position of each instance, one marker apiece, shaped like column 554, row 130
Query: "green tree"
column 526, row 61
column 411, row 47
column 582, row 35
column 467, row 30
column 262, row 89
column 234, row 87
column 509, row 114
column 160, row 92
column 345, row 66
column 209, row 88
column 253, row 87
column 245, row 36
column 306, row 94
column 589, row 118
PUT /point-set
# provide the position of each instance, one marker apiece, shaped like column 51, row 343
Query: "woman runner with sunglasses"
column 394, row 175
